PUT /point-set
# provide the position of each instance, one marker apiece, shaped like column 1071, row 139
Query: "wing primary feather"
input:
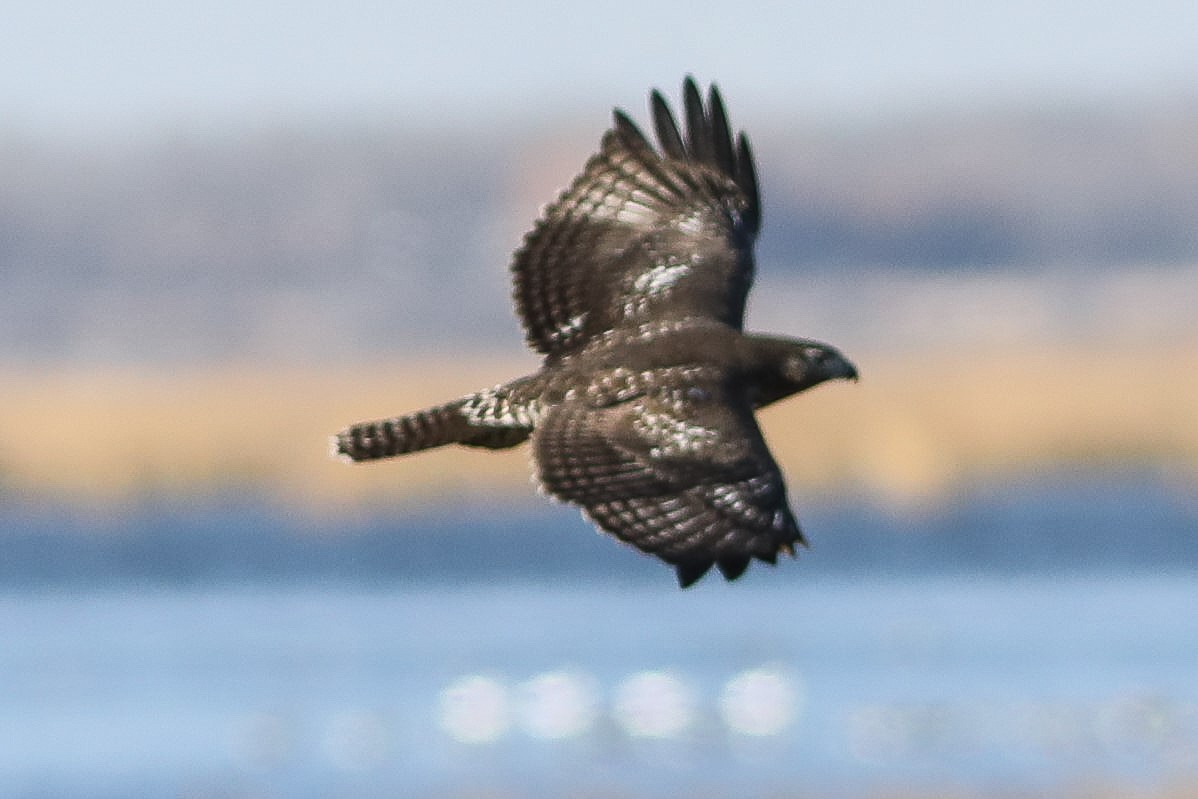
column 628, row 130
column 667, row 179
column 667, row 128
column 746, row 178
column 721, row 133
column 698, row 128
column 690, row 571
column 665, row 182
column 732, row 567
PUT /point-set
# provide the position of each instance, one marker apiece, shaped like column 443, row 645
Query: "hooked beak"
column 843, row 369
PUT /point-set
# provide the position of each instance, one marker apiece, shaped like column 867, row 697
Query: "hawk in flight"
column 632, row 285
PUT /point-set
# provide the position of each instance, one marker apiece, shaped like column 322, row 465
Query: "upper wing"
column 681, row 474
column 644, row 235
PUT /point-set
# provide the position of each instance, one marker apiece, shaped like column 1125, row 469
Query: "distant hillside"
column 347, row 242
column 989, row 188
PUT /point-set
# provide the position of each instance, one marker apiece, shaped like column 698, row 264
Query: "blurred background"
column 229, row 229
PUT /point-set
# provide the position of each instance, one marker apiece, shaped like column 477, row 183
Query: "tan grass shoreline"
column 911, row 430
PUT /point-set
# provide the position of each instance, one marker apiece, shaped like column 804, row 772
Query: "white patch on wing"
column 673, row 436
column 660, row 278
column 635, row 214
column 570, row 328
column 691, row 223
column 653, row 284
column 611, row 196
column 742, row 500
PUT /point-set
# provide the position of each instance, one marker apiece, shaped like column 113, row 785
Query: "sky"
column 82, row 69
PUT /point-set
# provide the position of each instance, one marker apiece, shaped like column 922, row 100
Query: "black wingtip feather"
column 627, row 129
column 691, row 571
column 732, row 568
column 746, row 178
column 705, row 137
column 721, row 132
column 698, row 128
column 666, row 127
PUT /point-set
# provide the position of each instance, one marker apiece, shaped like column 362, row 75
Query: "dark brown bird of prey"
column 633, row 285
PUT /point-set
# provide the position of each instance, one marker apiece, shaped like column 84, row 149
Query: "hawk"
column 632, row 285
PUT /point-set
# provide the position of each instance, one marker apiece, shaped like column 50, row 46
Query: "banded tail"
column 432, row 427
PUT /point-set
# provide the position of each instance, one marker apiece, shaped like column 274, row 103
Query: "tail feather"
column 385, row 438
column 432, row 427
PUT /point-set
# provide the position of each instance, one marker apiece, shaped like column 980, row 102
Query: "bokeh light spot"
column 559, row 704
column 763, row 701
column 654, row 704
column 475, row 709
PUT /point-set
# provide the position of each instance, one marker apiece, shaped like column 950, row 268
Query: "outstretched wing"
column 644, row 236
column 682, row 474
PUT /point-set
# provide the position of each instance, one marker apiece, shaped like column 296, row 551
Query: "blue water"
column 1024, row 637
column 965, row 683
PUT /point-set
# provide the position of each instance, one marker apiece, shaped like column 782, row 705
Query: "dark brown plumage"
column 633, row 286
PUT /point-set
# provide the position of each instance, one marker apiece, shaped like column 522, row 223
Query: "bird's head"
column 795, row 365
column 810, row 363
